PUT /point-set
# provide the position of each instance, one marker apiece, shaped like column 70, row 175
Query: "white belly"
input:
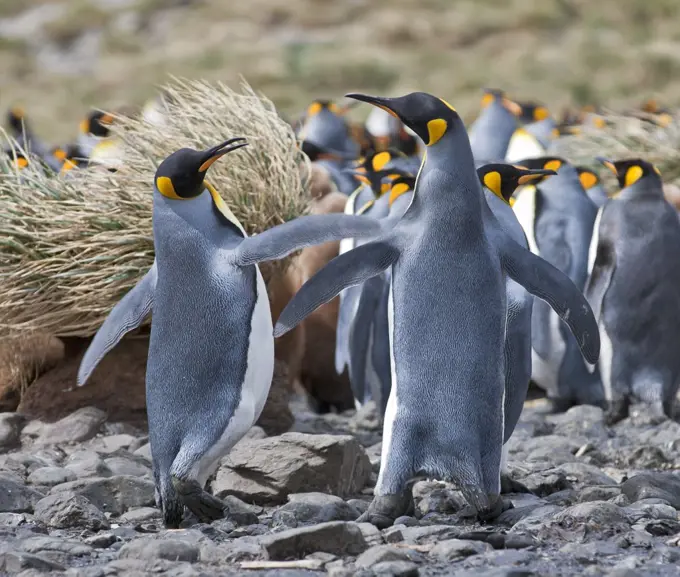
column 605, row 361
column 257, row 382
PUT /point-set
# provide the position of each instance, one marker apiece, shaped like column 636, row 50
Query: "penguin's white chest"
column 256, row 382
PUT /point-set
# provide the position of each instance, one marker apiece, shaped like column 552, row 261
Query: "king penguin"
column 558, row 217
column 93, row 129
column 490, row 133
column 499, row 182
column 633, row 289
column 590, row 182
column 445, row 415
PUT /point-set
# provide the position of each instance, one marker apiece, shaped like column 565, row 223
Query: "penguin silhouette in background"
column 445, row 413
column 633, row 289
column 490, row 134
column 592, row 185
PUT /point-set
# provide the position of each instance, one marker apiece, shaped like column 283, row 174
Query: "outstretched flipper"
column 127, row 315
column 304, row 231
column 546, row 282
column 346, row 270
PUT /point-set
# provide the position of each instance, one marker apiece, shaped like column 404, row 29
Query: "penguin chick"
column 211, row 350
column 444, row 416
column 490, row 134
column 633, row 288
column 558, row 217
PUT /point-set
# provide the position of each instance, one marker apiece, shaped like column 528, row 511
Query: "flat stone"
column 127, row 466
column 596, row 514
column 396, row 569
column 13, row 562
column 336, row 537
column 144, row 451
column 265, row 471
column 101, row 540
column 15, row 519
column 244, row 549
column 48, row 544
column 87, row 463
column 546, row 482
column 584, row 474
column 383, row 553
column 598, row 494
column 112, row 443
column 17, row 498
column 641, row 510
column 313, row 508
column 50, row 476
column 67, row 509
column 115, row 495
column 168, row 549
column 79, row 426
column 418, row 535
column 452, row 549
column 653, row 485
column 140, row 515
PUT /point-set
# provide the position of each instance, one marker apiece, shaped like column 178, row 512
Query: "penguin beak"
column 529, row 176
column 608, row 163
column 212, row 154
column 387, row 104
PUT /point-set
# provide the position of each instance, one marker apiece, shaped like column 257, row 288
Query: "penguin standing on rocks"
column 499, row 182
column 490, row 134
column 558, row 217
column 211, row 352
column 445, row 415
column 633, row 289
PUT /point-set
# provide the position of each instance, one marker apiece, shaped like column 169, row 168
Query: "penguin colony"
column 471, row 262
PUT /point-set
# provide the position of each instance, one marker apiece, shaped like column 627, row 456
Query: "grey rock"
column 647, row 457
column 396, row 569
column 45, row 544
column 140, row 515
column 313, row 508
column 79, row 426
column 87, row 463
column 383, row 553
column 17, row 498
column 536, row 519
column 374, row 453
column 127, row 466
column 583, row 474
column 241, row 513
column 144, row 451
column 50, row 476
column 244, row 549
column 590, row 552
column 439, row 499
column 10, row 430
column 359, row 504
column 653, row 485
column 663, row 527
column 114, row 495
column 168, row 549
column 112, row 443
column 418, row 535
column 596, row 515
column 456, row 548
column 598, row 494
column 582, row 420
column 546, row 482
column 25, row 463
column 101, row 540
column 641, row 510
column 336, row 537
column 68, row 509
column 15, row 519
column 406, row 520
column 13, row 562
column 265, row 471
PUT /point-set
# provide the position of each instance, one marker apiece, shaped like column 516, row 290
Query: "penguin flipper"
column 548, row 283
column 601, row 265
column 348, row 305
column 346, row 270
column 127, row 315
column 281, row 240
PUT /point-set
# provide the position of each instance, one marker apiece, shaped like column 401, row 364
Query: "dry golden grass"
column 71, row 247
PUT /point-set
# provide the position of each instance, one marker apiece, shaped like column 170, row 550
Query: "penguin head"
column 553, row 163
column 503, row 179
column 587, row 177
column 532, row 112
column 324, row 132
column 496, row 97
column 401, row 185
column 97, row 123
column 59, row 153
column 18, row 160
column 16, row 119
column 632, row 170
column 428, row 116
column 376, row 170
column 180, row 176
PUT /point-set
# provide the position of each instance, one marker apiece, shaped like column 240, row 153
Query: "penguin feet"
column 384, row 509
column 509, row 485
column 559, row 405
column 497, row 506
column 617, row 411
column 201, row 503
column 482, row 506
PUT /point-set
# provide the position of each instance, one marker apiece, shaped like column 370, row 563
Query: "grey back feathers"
column 491, row 132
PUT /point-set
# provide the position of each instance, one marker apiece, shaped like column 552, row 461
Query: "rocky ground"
column 77, row 498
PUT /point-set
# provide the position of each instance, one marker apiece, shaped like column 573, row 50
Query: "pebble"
column 452, row 549
column 313, row 508
column 50, row 476
column 69, row 510
column 382, row 553
column 81, row 425
column 113, row 494
column 653, row 485
column 170, row 549
column 17, row 498
column 139, row 515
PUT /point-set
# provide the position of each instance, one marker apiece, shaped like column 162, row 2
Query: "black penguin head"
column 553, row 163
column 631, row 170
column 428, row 116
column 503, row 179
column 18, row 159
column 401, row 185
column 587, row 177
column 532, row 112
column 180, row 176
column 325, row 133
column 97, row 123
column 498, row 97
column 377, row 167
column 16, row 119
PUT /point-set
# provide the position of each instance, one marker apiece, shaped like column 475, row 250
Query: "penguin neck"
column 564, row 186
column 648, row 187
